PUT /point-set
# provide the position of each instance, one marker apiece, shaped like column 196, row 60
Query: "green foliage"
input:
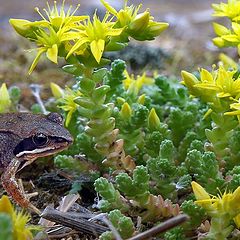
column 111, row 197
column 135, row 195
column 180, row 122
column 6, row 227
column 234, row 178
column 137, row 187
column 71, row 163
column 195, row 212
column 154, row 139
column 166, row 91
column 175, row 234
column 15, row 95
column 205, row 169
column 167, row 176
column 121, row 223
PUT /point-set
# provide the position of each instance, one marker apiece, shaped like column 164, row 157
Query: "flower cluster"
column 61, row 34
column 217, row 87
column 230, row 9
column 134, row 85
column 66, row 99
column 227, row 37
column 222, row 208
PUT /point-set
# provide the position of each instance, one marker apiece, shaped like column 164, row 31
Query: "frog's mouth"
column 41, row 152
column 28, row 150
column 28, row 156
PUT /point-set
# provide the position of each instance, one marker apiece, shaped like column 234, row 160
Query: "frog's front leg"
column 13, row 189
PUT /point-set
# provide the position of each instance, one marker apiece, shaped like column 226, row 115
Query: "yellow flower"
column 227, row 37
column 126, row 15
column 135, row 85
column 95, row 35
column 221, row 31
column 226, row 204
column 189, row 80
column 204, row 87
column 48, row 43
column 68, row 104
column 5, row 101
column 207, row 80
column 141, row 99
column 236, row 110
column 220, row 83
column 50, row 33
column 58, row 18
column 140, row 26
column 199, row 192
column 227, row 85
column 230, row 9
column 222, row 209
column 19, row 220
column 233, row 38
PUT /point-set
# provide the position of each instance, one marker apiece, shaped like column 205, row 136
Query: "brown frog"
column 23, row 138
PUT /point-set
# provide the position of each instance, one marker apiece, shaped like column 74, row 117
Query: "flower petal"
column 199, row 191
column 35, row 61
column 77, row 45
column 97, row 48
column 52, row 53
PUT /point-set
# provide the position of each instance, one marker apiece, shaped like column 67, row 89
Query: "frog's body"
column 25, row 137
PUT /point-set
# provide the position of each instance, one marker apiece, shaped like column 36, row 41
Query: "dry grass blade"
column 170, row 223
column 80, row 223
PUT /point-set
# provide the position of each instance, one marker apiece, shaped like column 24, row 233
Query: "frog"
column 24, row 137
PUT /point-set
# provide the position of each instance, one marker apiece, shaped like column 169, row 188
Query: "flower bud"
column 153, row 120
column 21, row 26
column 218, row 41
column 199, row 192
column 189, row 80
column 57, row 91
column 141, row 99
column 155, row 28
column 220, row 29
column 120, row 100
column 126, row 111
column 5, row 101
column 140, row 22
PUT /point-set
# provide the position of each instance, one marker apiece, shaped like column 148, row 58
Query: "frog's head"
column 40, row 136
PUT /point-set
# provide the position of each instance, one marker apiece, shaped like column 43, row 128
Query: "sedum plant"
column 14, row 224
column 143, row 133
column 82, row 41
column 222, row 208
column 9, row 98
column 135, row 194
column 220, row 89
column 121, row 223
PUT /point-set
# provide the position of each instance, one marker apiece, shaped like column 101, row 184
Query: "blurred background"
column 185, row 45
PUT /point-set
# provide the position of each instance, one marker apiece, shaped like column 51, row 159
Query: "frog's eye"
column 40, row 140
